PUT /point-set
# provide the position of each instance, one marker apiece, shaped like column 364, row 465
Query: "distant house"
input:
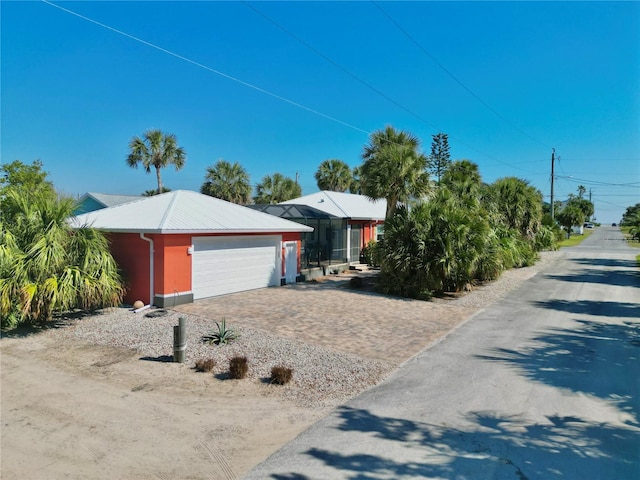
column 343, row 224
column 90, row 201
column 181, row 246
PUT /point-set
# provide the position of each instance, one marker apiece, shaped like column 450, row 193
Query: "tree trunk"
column 159, row 180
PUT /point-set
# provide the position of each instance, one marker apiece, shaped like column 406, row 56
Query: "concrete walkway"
column 543, row 385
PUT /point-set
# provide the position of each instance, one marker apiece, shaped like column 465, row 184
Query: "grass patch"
column 576, row 239
column 627, row 234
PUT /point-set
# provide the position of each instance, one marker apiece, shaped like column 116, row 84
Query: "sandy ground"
column 74, row 410
column 85, row 411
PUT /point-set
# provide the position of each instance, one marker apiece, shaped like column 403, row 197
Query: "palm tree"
column 151, row 193
column 158, row 150
column 463, row 178
column 518, row 205
column 276, row 189
column 581, row 191
column 356, row 184
column 227, row 181
column 334, row 175
column 46, row 267
column 393, row 168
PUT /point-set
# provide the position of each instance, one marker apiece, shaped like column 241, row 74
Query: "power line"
column 596, row 182
column 371, row 87
column 269, row 93
column 456, row 79
column 205, row 67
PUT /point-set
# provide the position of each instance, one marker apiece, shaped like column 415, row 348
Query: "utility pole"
column 553, row 158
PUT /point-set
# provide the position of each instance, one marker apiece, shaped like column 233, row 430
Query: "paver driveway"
column 329, row 314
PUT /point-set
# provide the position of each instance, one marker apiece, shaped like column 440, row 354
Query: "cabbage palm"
column 46, row 267
column 334, row 175
column 394, row 168
column 228, row 182
column 276, row 188
column 158, row 150
column 518, row 204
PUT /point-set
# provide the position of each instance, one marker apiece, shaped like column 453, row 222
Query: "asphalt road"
column 544, row 384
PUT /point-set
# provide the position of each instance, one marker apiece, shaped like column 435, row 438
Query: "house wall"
column 172, row 268
column 172, row 265
column 368, row 230
column 132, row 256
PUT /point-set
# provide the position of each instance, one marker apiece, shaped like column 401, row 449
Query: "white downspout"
column 150, row 266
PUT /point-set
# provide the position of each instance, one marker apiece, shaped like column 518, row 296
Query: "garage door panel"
column 223, row 265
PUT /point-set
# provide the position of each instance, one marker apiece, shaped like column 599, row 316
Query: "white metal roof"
column 184, row 211
column 344, row 205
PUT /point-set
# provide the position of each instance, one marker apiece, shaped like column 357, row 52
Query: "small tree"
column 440, row 158
column 569, row 216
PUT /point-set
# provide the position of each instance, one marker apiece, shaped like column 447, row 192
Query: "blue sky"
column 507, row 81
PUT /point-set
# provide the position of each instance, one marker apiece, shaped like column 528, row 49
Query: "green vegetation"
column 276, row 188
column 222, row 336
column 631, row 241
column 47, row 267
column 228, row 182
column 575, row 239
column 631, row 222
column 334, row 175
column 440, row 158
column 465, row 232
column 158, row 150
column 393, row 168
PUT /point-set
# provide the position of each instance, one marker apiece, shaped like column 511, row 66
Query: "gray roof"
column 285, row 210
column 344, row 205
column 109, row 199
column 183, row 211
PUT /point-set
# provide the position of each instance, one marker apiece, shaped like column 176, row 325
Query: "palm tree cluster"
column 45, row 265
column 631, row 218
column 444, row 237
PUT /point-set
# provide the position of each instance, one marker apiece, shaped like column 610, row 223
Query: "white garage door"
column 222, row 265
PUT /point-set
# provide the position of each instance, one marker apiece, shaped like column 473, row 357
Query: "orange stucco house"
column 181, row 246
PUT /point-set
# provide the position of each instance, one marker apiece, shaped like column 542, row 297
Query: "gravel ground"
column 321, row 377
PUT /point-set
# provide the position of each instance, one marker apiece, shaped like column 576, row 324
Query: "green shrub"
column 223, row 335
column 238, row 367
column 205, row 365
column 371, row 254
column 281, row 375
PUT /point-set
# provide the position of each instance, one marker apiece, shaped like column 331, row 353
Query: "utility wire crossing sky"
column 282, row 86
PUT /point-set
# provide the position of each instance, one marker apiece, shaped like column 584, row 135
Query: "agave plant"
column 222, row 336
